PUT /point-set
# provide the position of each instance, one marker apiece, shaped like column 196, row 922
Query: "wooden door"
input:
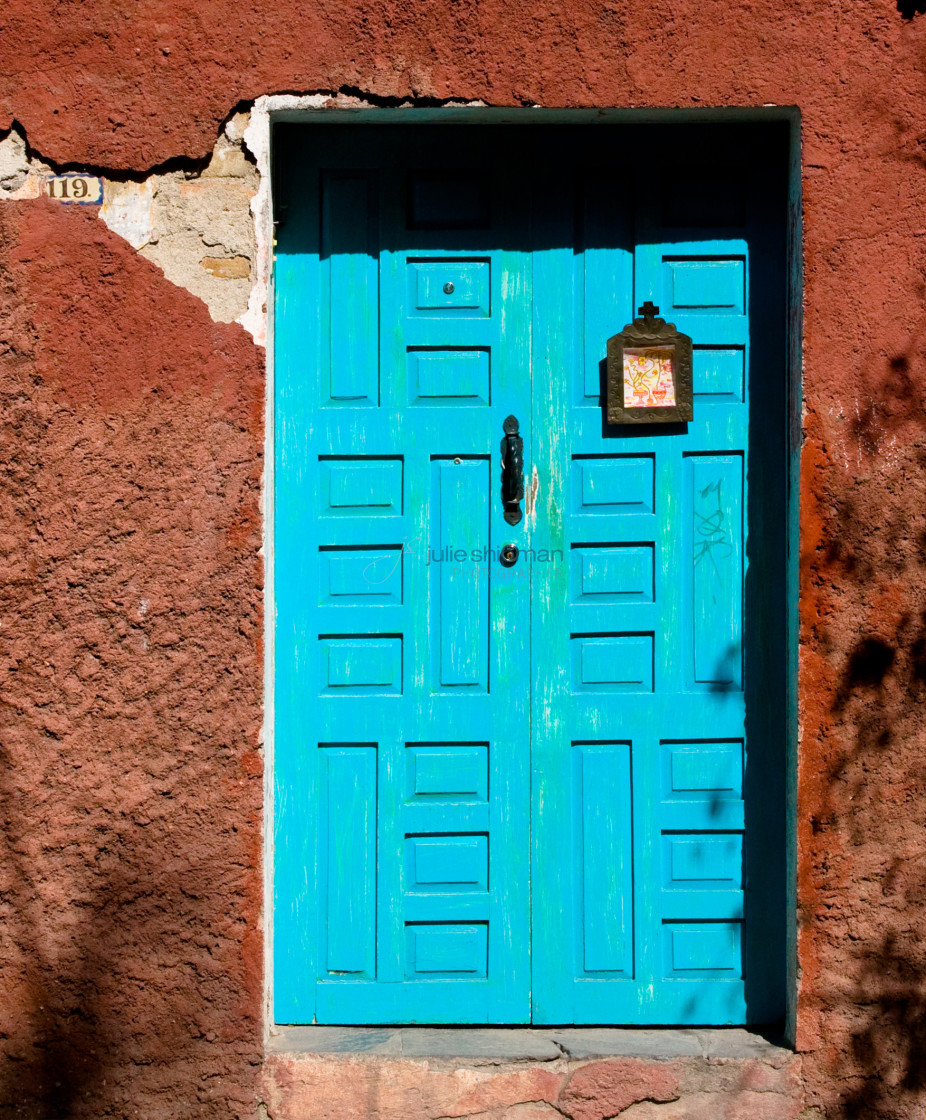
column 550, row 791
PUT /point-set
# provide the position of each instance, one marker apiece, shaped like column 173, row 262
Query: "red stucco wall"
column 130, row 771
column 130, row 775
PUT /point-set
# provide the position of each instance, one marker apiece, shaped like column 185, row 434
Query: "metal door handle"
column 512, row 471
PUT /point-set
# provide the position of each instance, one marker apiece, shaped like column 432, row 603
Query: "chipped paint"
column 531, row 500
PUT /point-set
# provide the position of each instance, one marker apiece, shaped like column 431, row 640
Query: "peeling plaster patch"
column 20, row 176
column 202, row 219
column 201, row 229
column 211, row 232
column 197, row 228
column 126, row 210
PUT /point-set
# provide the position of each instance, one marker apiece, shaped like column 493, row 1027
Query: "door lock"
column 509, row 555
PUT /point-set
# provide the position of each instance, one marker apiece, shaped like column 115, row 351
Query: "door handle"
column 512, row 470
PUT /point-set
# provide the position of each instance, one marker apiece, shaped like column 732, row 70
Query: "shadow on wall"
column 888, row 1039
column 67, row 1053
column 122, row 918
column 869, row 836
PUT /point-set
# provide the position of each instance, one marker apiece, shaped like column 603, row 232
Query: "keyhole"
column 448, row 288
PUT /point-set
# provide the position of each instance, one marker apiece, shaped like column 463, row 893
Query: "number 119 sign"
column 84, row 189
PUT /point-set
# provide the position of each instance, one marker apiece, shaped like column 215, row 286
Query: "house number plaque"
column 84, row 189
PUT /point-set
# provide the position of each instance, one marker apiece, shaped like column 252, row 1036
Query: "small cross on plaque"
column 648, row 310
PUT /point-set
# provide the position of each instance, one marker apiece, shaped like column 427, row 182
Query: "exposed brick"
column 227, row 268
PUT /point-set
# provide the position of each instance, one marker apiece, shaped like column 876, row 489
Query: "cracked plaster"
column 197, row 227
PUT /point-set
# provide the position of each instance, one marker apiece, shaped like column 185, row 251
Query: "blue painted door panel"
column 402, row 798
column 655, row 877
column 552, row 792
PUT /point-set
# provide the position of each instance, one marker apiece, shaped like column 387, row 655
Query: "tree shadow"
column 117, row 985
column 864, row 630
column 874, row 790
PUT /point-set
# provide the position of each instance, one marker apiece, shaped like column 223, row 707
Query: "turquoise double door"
column 547, row 790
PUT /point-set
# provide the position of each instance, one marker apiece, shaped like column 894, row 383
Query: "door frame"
column 316, row 110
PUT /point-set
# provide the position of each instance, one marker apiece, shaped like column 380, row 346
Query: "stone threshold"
column 506, row 1044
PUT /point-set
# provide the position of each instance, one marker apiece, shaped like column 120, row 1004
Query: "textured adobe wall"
column 116, row 492
column 130, row 774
